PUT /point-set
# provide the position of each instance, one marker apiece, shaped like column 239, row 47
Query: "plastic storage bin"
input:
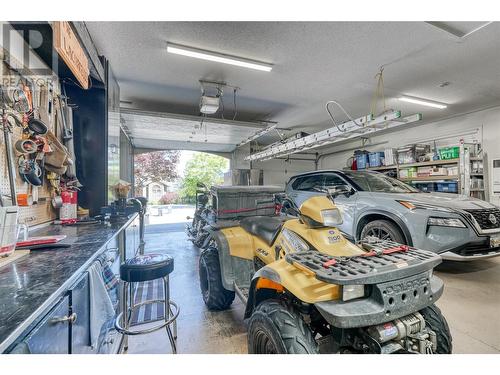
column 376, row 159
column 232, row 202
column 410, row 153
column 447, row 153
column 426, row 186
column 447, row 187
column 362, row 161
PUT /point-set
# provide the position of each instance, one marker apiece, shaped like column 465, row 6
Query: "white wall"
column 277, row 171
column 488, row 122
column 237, row 160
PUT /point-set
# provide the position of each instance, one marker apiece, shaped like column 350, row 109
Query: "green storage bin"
column 447, row 153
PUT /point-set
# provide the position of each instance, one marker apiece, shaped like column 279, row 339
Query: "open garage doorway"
column 169, row 179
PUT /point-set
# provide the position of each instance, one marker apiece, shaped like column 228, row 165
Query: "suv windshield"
column 378, row 182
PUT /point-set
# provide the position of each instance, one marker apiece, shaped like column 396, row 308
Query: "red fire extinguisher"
column 67, row 212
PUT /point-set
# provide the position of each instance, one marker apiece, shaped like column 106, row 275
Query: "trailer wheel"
column 435, row 320
column 275, row 328
column 215, row 296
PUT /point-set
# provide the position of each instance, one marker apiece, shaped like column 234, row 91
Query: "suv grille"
column 488, row 218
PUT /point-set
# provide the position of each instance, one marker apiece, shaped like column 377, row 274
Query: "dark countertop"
column 31, row 284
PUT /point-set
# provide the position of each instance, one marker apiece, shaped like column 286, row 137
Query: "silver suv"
column 456, row 226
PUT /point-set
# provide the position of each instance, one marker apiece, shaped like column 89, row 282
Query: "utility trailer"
column 225, row 206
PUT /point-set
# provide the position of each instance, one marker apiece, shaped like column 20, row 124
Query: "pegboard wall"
column 41, row 211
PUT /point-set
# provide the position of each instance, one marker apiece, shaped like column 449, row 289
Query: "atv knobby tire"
column 275, row 328
column 215, row 296
column 436, row 321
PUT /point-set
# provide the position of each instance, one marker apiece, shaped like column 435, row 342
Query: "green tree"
column 204, row 168
column 158, row 166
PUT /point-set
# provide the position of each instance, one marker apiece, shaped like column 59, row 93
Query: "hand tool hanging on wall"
column 31, row 143
column 12, row 98
column 10, row 156
column 30, row 171
column 67, row 120
column 26, row 146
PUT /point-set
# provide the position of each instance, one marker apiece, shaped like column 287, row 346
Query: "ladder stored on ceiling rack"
column 357, row 128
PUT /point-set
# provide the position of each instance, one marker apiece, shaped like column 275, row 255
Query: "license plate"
column 495, row 241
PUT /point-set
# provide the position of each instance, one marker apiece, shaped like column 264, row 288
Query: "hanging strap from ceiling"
column 378, row 94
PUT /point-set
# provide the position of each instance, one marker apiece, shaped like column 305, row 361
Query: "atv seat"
column 264, row 227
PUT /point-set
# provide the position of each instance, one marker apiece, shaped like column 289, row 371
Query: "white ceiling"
column 314, row 62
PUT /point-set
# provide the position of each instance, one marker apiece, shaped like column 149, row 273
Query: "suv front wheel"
column 383, row 229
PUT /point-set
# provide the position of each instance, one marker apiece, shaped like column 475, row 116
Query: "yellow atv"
column 309, row 290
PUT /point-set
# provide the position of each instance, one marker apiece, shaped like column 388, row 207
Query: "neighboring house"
column 155, row 190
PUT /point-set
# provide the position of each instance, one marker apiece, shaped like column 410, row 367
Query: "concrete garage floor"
column 471, row 304
column 199, row 330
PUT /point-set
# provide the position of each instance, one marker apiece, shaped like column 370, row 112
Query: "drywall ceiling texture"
column 314, row 62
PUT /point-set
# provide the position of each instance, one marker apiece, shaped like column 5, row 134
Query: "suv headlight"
column 445, row 222
column 423, row 206
column 350, row 292
column 331, row 217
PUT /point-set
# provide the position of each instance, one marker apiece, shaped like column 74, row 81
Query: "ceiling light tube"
column 427, row 103
column 218, row 57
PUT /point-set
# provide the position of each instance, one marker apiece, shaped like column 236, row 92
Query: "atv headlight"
column 445, row 222
column 295, row 241
column 331, row 217
column 350, row 292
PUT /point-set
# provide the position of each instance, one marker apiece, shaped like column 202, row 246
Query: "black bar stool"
column 140, row 269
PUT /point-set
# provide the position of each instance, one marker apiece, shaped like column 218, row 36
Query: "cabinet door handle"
column 72, row 319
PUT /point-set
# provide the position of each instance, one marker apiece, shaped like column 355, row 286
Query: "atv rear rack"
column 383, row 261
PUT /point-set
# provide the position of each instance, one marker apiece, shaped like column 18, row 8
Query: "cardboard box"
column 408, row 172
column 452, row 171
column 441, row 171
column 424, row 171
column 389, row 156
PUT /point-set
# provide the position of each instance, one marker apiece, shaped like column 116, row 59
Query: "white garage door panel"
column 186, row 132
column 158, row 144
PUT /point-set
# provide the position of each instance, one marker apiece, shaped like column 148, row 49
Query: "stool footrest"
column 129, row 332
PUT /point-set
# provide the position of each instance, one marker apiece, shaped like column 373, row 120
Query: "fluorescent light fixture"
column 218, row 57
column 427, row 103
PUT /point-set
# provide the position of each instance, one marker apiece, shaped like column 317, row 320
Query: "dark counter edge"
column 59, row 293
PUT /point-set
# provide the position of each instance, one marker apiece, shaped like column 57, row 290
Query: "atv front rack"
column 383, row 261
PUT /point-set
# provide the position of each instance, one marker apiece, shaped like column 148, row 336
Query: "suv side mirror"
column 286, row 204
column 335, row 191
column 279, row 197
